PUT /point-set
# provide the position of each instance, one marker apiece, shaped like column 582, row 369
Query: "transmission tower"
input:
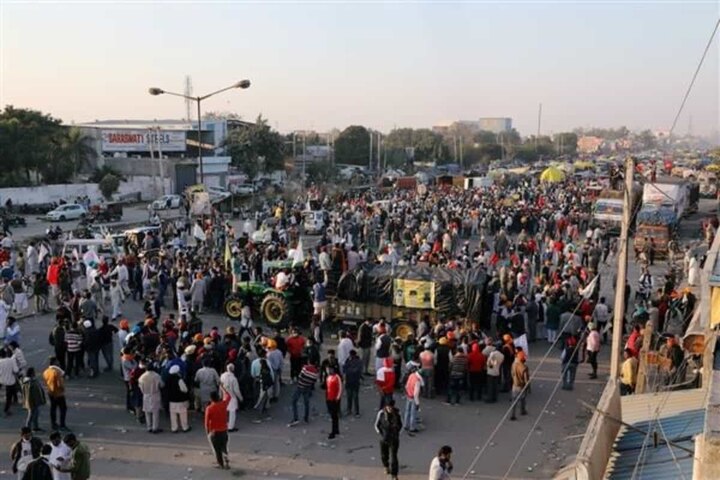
column 188, row 93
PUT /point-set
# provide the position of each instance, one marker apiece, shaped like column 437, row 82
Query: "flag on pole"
column 228, row 254
column 590, row 288
column 198, row 233
column 299, row 256
column 43, row 253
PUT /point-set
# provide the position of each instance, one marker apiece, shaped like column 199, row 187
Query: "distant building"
column 495, row 124
column 130, row 146
column 589, row 144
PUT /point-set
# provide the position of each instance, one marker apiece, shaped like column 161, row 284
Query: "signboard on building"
column 143, row 141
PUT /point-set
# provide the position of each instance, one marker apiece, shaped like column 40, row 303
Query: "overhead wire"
column 682, row 106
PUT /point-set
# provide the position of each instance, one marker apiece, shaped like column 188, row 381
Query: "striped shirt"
column 74, row 341
column 458, row 366
column 308, row 377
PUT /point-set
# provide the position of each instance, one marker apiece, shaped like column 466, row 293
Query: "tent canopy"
column 552, row 175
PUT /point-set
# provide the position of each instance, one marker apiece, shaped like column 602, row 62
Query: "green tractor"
column 274, row 306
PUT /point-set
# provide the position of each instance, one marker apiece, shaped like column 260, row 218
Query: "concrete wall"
column 597, row 444
column 148, row 188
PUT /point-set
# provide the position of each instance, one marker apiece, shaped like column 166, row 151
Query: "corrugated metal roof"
column 657, row 462
column 644, row 406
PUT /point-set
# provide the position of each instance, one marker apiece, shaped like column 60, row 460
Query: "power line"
column 692, row 82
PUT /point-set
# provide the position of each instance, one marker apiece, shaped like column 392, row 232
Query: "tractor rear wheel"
column 403, row 330
column 274, row 309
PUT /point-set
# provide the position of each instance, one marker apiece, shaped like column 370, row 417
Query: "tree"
column 256, row 148
column 109, row 185
column 647, row 139
column 29, row 142
column 76, row 147
column 567, row 143
column 100, row 173
column 352, row 146
column 426, row 145
column 321, row 171
column 221, row 115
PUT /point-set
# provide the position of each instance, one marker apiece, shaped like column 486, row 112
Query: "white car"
column 166, row 202
column 67, row 212
column 243, row 189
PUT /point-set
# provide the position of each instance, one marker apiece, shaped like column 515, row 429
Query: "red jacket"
column 216, row 415
column 295, row 346
column 385, row 378
column 476, row 360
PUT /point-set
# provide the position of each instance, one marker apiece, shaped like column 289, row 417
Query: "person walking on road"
column 441, row 466
column 388, row 425
column 592, row 347
column 8, row 378
column 352, row 373
column 333, row 394
column 216, row 427
column 413, row 388
column 230, row 384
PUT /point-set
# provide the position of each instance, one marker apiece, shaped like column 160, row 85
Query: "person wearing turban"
column 230, row 384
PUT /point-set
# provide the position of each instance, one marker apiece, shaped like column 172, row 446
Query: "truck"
column 658, row 223
column 608, row 209
column 667, row 193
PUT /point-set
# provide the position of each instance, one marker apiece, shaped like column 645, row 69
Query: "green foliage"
column 352, row 146
column 35, row 146
column 321, row 172
column 647, row 139
column 567, row 143
column 100, row 173
column 256, row 148
column 427, row 146
column 109, row 185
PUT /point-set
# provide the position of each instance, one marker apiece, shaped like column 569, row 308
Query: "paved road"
column 122, row 450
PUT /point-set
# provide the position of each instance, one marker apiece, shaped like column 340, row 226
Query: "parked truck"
column 608, row 209
column 656, row 223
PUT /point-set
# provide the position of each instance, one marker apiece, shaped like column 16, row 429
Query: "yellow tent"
column 584, row 165
column 552, row 175
column 713, row 167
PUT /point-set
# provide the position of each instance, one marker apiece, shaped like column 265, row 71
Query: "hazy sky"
column 323, row 65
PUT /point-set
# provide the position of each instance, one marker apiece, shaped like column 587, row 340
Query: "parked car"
column 67, row 212
column 166, row 202
column 243, row 189
column 218, row 194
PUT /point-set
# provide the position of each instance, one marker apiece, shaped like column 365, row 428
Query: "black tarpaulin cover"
column 457, row 292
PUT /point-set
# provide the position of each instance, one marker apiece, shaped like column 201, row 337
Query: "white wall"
column 148, row 188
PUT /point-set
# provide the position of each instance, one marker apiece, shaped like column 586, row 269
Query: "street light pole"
column 243, row 84
column 199, row 132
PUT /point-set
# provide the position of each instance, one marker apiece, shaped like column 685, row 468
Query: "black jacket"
column 38, row 469
column 389, row 424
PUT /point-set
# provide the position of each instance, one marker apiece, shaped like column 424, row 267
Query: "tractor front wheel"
column 233, row 307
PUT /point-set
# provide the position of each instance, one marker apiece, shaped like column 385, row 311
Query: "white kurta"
column 150, row 384
column 231, row 385
column 60, row 456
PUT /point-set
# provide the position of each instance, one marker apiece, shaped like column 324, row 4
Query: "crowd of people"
column 537, row 243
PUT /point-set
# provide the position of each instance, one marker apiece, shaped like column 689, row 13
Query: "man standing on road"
column 413, row 387
column 388, row 425
column 305, row 384
column 592, row 347
column 8, row 378
column 352, row 373
column 24, row 451
column 333, row 394
column 55, row 381
column 520, row 379
column 79, row 468
column 150, row 384
column 365, row 343
column 216, row 423
column 40, row 469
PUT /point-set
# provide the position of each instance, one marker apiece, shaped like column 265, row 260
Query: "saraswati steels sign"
column 143, row 141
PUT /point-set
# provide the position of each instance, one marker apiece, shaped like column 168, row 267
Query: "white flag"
column 299, row 256
column 43, row 253
column 198, row 233
column 587, row 291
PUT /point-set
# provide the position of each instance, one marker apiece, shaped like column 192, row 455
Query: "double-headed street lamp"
column 159, row 91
